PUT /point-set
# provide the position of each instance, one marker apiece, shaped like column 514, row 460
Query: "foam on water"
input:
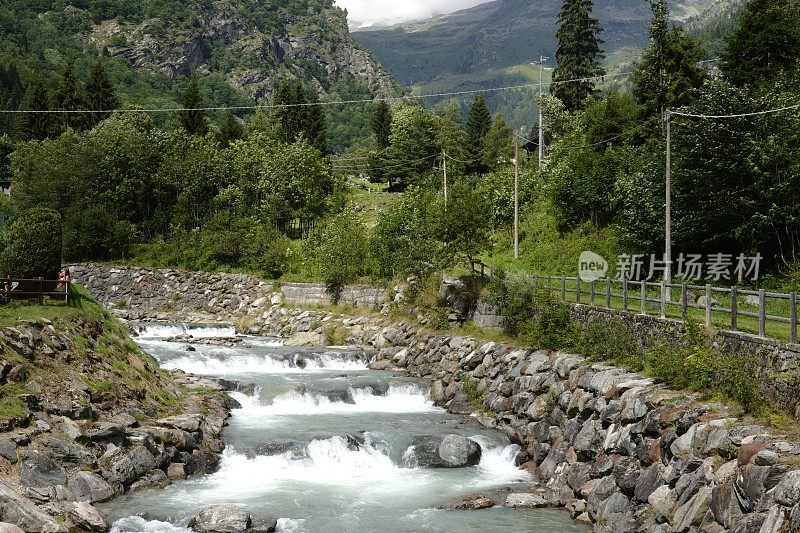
column 161, row 331
column 137, row 524
column 215, row 362
column 398, row 399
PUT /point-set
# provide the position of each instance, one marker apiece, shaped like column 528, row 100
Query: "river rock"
column 525, row 499
column 89, row 487
column 38, row 470
column 5, row 527
column 449, row 451
column 16, row 510
column 788, row 490
column 223, row 518
column 86, row 517
column 469, row 503
column 66, row 452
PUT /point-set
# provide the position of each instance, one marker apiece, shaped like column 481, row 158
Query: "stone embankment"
column 614, row 448
column 86, row 417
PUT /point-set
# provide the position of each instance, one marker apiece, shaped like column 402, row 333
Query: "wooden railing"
column 34, row 288
column 766, row 314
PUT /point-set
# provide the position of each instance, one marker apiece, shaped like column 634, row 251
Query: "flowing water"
column 326, row 445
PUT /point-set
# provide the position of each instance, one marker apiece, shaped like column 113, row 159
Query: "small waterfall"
column 198, row 331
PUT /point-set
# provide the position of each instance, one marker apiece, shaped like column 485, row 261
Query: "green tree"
column 669, row 72
column 230, row 130
column 462, row 225
column 498, row 144
column 413, row 150
column 479, row 122
column 33, row 245
column 11, row 93
column 578, row 55
column 193, row 117
column 765, row 42
column 32, row 125
column 381, row 123
column 342, row 251
column 300, row 114
column 100, row 93
column 69, row 97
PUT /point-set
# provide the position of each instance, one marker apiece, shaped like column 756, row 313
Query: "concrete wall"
column 318, row 294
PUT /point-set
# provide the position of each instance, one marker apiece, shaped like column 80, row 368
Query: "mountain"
column 492, row 45
column 238, row 47
column 500, row 34
column 712, row 25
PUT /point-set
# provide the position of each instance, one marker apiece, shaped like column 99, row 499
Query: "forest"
column 268, row 191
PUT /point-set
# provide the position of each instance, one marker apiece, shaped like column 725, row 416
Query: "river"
column 325, row 444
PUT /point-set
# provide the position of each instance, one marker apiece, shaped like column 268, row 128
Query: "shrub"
column 532, row 313
column 95, row 233
column 33, row 245
column 342, row 250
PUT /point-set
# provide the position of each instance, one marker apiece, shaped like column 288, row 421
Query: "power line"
column 739, row 115
column 307, row 104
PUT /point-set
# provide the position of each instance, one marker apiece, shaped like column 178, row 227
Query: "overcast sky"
column 367, row 12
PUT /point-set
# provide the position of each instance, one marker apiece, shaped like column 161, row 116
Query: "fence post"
column 563, row 288
column 608, row 293
column 578, row 289
column 8, row 288
column 644, row 297
column 67, row 287
column 708, row 305
column 625, row 294
column 591, row 293
column 664, row 298
column 40, row 296
column 793, row 317
column 734, row 308
column 762, row 313
column 684, row 300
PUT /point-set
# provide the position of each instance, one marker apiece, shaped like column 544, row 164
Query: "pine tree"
column 498, row 143
column 230, row 130
column 578, row 55
column 479, row 122
column 193, row 118
column 300, row 114
column 381, row 123
column 100, row 93
column 36, row 126
column 69, row 97
column 313, row 121
column 766, row 41
column 669, row 70
column 11, row 93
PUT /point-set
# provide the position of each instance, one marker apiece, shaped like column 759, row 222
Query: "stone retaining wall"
column 318, row 294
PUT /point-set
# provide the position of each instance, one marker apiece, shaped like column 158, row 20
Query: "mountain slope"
column 241, row 46
column 501, row 34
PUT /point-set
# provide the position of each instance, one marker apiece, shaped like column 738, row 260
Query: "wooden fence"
column 762, row 313
column 36, row 288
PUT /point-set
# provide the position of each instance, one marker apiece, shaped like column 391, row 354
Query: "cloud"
column 369, row 12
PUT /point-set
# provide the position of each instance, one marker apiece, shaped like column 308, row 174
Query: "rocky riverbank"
column 86, row 416
column 617, row 450
column 612, row 447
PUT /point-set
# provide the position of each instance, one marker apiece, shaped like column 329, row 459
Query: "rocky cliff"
column 248, row 48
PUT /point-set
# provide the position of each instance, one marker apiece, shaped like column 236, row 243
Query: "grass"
column 81, row 305
column 10, row 404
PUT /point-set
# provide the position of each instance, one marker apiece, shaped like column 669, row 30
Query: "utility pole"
column 668, row 219
column 444, row 168
column 542, row 59
column 516, row 195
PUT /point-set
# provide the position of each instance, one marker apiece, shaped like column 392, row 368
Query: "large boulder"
column 89, row 487
column 222, row 517
column 38, row 470
column 449, row 451
column 16, row 510
column 86, row 517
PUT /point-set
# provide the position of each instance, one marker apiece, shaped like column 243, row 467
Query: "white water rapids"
column 326, row 445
